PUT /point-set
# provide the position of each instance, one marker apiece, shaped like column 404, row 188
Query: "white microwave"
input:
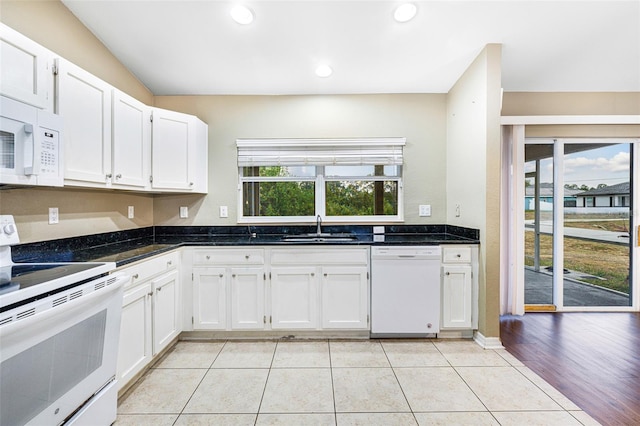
column 31, row 149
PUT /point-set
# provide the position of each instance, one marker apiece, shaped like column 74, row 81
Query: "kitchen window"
column 342, row 180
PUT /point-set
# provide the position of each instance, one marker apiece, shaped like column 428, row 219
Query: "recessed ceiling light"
column 405, row 12
column 242, row 14
column 324, row 71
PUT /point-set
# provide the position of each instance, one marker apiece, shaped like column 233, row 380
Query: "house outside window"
column 346, row 180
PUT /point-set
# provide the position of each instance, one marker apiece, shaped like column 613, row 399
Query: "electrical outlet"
column 184, row 212
column 457, row 210
column 224, row 211
column 424, row 210
column 130, row 212
column 53, row 215
column 378, row 229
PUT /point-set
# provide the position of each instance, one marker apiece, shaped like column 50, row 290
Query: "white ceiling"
column 193, row 47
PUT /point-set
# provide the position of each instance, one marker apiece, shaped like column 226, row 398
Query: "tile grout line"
column 333, row 389
column 398, row 381
column 264, row 390
column 200, row 382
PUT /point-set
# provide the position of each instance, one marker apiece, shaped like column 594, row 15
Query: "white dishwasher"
column 405, row 291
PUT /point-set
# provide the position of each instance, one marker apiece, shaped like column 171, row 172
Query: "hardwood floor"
column 592, row 358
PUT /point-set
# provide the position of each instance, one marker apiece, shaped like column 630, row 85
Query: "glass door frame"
column 512, row 291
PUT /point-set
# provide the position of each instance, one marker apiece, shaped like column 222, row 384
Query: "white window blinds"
column 319, row 152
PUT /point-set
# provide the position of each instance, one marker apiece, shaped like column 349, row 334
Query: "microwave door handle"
column 31, row 151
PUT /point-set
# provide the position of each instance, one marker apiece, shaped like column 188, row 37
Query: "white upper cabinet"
column 131, row 148
column 179, row 152
column 26, row 69
column 84, row 102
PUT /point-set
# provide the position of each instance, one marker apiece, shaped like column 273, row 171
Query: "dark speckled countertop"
column 123, row 247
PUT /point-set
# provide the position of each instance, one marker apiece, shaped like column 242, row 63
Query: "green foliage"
column 297, row 198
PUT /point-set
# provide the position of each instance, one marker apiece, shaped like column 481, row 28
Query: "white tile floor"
column 386, row 382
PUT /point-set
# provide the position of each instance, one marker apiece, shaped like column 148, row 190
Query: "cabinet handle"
column 109, row 176
column 221, row 275
column 150, row 294
column 325, row 274
column 447, row 273
column 190, row 183
column 458, row 255
column 313, row 274
column 169, row 263
column 246, row 256
column 159, row 289
column 118, row 176
column 208, row 257
column 233, row 275
column 135, row 277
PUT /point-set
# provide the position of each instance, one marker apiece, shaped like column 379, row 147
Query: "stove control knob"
column 9, row 228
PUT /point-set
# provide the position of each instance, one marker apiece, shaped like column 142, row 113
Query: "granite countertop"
column 124, row 247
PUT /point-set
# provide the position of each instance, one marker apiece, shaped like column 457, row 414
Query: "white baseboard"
column 487, row 342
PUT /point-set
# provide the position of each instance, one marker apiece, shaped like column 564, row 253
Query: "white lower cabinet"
column 457, row 296
column 345, row 300
column 166, row 303
column 247, row 298
column 294, row 297
column 209, row 298
column 459, row 300
column 134, row 351
column 150, row 314
column 228, row 289
column 301, row 288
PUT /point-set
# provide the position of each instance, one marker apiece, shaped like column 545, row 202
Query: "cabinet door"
column 345, row 297
column 26, row 72
column 457, row 296
column 166, row 312
column 209, row 299
column 131, row 135
column 247, row 298
column 84, row 102
column 134, row 350
column 173, row 139
column 294, row 298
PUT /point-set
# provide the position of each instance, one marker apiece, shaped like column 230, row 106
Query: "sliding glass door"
column 597, row 224
column 578, row 224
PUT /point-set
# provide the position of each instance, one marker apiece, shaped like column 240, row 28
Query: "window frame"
column 320, row 187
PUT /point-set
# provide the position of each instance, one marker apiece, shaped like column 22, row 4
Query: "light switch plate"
column 378, row 238
column 224, row 211
column 424, row 210
column 378, row 229
column 184, row 212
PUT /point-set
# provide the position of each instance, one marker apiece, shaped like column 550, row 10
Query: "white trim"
column 513, row 120
column 487, row 342
column 558, row 223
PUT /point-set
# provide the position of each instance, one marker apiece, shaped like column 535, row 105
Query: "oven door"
column 54, row 361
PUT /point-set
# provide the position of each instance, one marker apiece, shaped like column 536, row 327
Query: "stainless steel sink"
column 319, row 237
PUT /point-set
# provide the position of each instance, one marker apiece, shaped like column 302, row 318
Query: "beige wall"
column 419, row 118
column 52, row 25
column 81, row 212
column 473, row 172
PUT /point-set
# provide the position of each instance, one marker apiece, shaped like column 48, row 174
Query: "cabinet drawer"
column 151, row 267
column 315, row 256
column 229, row 257
column 456, row 255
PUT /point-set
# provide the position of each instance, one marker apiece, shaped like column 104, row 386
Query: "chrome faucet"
column 318, row 225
